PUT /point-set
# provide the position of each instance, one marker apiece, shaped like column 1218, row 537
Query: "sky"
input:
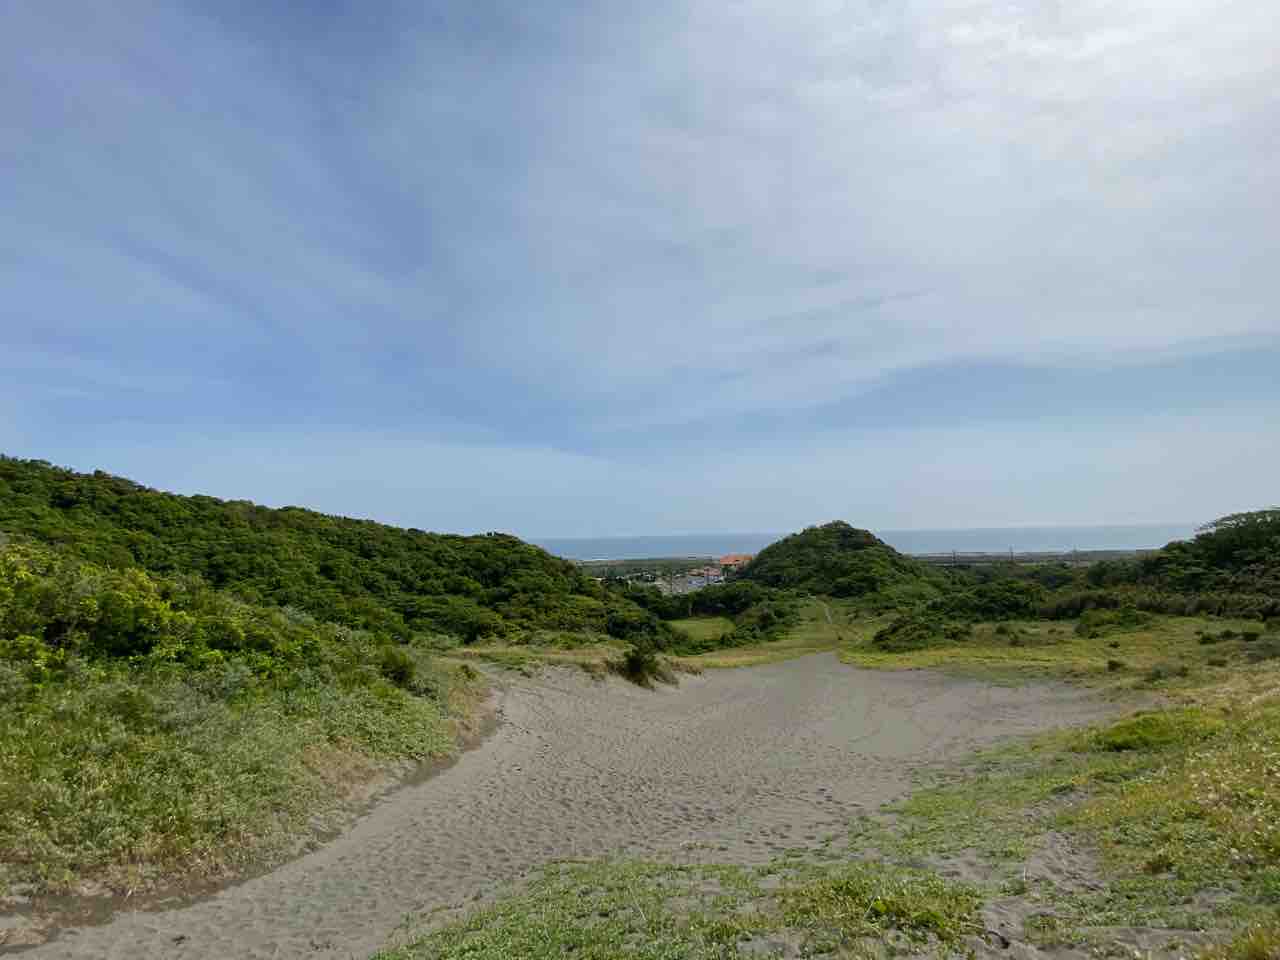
column 617, row 268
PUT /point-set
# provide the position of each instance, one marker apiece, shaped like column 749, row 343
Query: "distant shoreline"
column 955, row 557
column 1021, row 541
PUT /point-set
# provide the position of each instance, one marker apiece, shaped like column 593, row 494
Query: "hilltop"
column 839, row 560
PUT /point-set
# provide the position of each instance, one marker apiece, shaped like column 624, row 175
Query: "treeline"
column 1231, row 569
column 356, row 573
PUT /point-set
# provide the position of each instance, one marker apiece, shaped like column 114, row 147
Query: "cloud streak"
column 605, row 229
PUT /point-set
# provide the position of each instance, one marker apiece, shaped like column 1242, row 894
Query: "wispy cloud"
column 606, row 228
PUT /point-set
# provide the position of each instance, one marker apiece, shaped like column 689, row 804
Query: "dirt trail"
column 749, row 762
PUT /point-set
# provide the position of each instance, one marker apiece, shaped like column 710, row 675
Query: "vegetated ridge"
column 353, row 572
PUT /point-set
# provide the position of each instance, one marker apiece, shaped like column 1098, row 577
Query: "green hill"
column 839, row 560
column 352, row 572
column 187, row 683
column 1239, row 553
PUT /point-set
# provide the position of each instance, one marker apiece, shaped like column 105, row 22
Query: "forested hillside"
column 839, row 560
column 352, row 572
column 251, row 667
column 1236, row 554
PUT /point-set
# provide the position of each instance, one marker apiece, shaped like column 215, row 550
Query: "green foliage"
column 1004, row 599
column 870, row 899
column 1237, row 556
column 838, row 560
column 917, row 631
column 1097, row 623
column 1153, row 731
column 604, row 911
column 352, row 572
column 149, row 722
column 1257, row 941
column 649, row 911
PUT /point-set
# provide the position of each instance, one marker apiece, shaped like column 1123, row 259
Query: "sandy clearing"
column 749, row 762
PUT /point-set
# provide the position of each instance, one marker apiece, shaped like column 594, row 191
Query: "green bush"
column 917, row 631
column 1154, row 731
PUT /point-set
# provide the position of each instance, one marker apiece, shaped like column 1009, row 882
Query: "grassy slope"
column 152, row 728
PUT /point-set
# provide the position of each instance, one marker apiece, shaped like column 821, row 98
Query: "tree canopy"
column 837, row 560
column 356, row 573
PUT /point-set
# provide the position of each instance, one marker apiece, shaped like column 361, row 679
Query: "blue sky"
column 615, row 268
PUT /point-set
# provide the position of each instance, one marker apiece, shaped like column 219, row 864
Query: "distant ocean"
column 990, row 540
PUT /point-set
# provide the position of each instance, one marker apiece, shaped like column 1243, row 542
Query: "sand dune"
column 733, row 766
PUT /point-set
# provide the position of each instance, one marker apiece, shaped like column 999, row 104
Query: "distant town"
column 671, row 575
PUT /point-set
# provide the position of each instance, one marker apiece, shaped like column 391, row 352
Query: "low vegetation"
column 153, row 726
column 604, row 910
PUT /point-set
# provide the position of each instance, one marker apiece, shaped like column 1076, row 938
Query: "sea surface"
column 980, row 540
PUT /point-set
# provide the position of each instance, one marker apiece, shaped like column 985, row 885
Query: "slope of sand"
column 740, row 764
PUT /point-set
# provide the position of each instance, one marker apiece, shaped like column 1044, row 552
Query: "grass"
column 704, row 628
column 1167, row 649
column 872, row 899
column 1257, row 941
column 121, row 777
column 652, row 911
column 825, row 626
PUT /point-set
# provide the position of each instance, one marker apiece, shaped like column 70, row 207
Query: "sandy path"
column 750, row 761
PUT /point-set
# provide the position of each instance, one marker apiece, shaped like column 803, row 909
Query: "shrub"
column 1268, row 649
column 1154, row 731
column 916, row 631
column 1166, row 671
column 1097, row 622
column 398, row 666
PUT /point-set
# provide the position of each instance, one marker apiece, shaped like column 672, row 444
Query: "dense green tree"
column 351, row 572
column 838, row 560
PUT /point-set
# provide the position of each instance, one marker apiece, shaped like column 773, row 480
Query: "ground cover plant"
column 1179, row 802
column 152, row 727
column 655, row 911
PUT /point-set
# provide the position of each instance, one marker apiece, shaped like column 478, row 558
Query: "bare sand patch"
column 732, row 766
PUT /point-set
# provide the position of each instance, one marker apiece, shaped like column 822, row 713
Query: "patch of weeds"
column 1166, row 671
column 864, row 899
column 605, row 910
column 1050, row 930
column 1097, row 622
column 1258, row 941
column 1153, row 731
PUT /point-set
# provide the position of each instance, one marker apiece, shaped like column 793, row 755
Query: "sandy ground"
column 732, row 766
